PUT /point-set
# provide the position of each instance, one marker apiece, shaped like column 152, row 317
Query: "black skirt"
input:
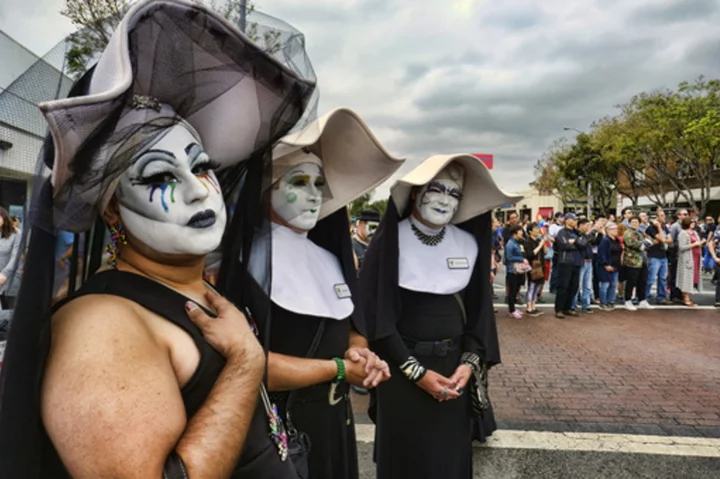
column 331, row 427
column 417, row 436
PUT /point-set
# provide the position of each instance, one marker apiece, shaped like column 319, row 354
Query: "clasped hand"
column 434, row 384
column 365, row 368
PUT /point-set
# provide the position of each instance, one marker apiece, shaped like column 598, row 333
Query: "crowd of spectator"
column 603, row 261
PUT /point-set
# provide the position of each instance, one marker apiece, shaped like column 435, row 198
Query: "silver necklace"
column 426, row 239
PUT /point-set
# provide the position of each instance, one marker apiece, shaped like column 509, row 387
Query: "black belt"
column 438, row 349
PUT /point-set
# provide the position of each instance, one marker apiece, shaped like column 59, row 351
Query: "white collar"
column 306, row 279
column 445, row 268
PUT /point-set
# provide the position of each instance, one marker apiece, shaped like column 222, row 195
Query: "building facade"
column 25, row 81
column 532, row 205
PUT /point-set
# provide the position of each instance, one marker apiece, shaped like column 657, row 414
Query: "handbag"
column 479, row 380
column 299, row 443
column 550, row 253
column 537, row 273
column 521, row 268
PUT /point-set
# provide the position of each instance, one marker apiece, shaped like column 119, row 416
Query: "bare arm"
column 286, row 373
column 362, row 367
column 112, row 406
column 357, row 340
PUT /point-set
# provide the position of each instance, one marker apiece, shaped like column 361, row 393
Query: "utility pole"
column 589, row 183
column 243, row 15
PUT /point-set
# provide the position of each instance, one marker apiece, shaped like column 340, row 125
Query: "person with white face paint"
column 149, row 371
column 364, row 229
column 427, row 304
column 171, row 197
column 297, row 195
column 316, row 348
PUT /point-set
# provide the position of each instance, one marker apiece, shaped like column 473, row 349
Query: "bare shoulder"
column 92, row 309
column 110, row 399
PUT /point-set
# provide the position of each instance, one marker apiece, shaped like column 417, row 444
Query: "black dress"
column 260, row 458
column 331, row 427
column 417, row 436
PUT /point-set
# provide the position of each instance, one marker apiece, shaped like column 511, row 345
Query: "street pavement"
column 597, row 395
column 645, row 372
column 497, row 462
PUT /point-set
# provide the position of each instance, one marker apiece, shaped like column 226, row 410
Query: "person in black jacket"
column 570, row 246
column 584, row 294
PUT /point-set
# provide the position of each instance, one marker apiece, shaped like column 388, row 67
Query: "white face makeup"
column 438, row 201
column 297, row 196
column 170, row 199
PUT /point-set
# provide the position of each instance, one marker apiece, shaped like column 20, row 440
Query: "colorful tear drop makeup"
column 205, row 178
column 163, row 189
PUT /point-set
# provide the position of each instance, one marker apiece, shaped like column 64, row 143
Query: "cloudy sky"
column 500, row 77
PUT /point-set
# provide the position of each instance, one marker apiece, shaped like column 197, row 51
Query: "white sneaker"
column 644, row 305
column 629, row 306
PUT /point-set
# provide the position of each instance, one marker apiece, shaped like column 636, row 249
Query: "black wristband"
column 175, row 467
column 412, row 369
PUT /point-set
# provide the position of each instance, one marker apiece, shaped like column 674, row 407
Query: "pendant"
column 277, row 432
column 332, row 400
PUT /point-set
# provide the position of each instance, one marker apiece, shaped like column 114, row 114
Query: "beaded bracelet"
column 340, row 369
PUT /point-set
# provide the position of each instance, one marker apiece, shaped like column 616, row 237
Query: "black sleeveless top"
column 260, row 458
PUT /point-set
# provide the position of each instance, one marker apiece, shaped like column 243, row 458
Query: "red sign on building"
column 487, row 159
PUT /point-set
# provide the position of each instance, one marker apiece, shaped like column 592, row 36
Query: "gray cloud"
column 515, row 18
column 470, row 75
column 663, row 13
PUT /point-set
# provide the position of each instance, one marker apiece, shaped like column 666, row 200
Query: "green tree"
column 380, row 206
column 365, row 203
column 586, row 161
column 95, row 21
column 547, row 176
column 663, row 144
column 676, row 133
column 360, row 204
column 565, row 169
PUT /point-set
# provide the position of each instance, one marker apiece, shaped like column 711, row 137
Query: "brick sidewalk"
column 646, row 372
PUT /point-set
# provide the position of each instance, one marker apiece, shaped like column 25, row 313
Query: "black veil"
column 216, row 66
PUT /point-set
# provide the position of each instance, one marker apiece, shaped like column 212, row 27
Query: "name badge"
column 342, row 291
column 458, row 263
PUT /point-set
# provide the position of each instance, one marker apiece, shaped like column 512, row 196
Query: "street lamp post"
column 589, row 183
